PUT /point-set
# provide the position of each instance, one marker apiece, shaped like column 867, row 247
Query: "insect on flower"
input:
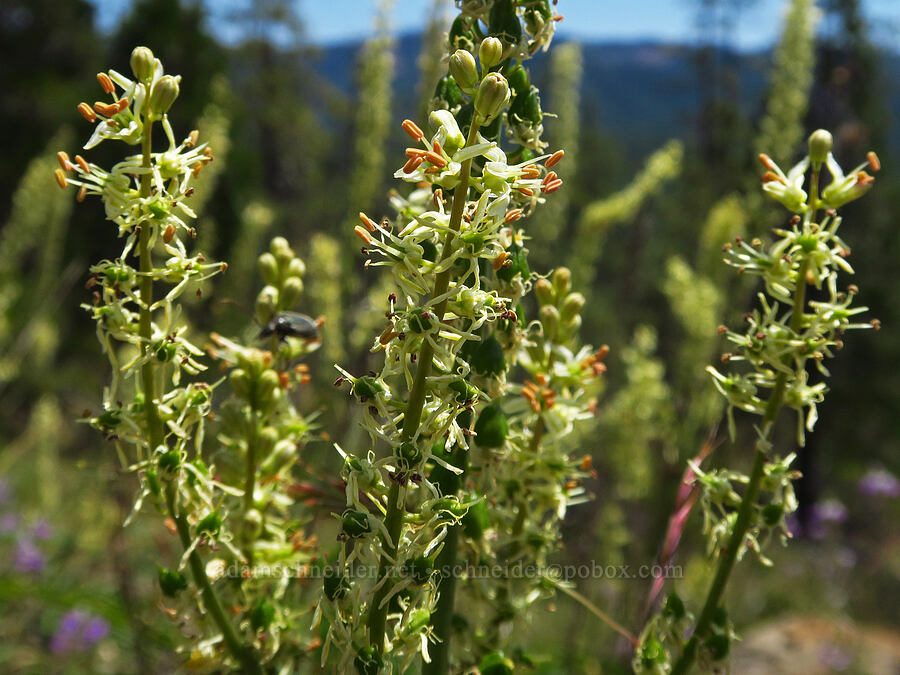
column 291, row 324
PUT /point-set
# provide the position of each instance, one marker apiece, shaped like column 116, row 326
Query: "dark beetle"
column 291, row 324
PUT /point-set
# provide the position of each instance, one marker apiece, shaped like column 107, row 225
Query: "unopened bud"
column 562, row 281
column 550, row 321
column 490, row 52
column 266, row 302
column 543, row 289
column 491, row 97
column 572, row 306
column 143, row 63
column 164, row 93
column 820, row 143
column 464, row 70
column 268, row 268
column 291, row 290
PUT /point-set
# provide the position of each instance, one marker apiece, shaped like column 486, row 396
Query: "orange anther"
column 368, row 222
column 106, row 83
column 105, row 109
column 553, row 186
column 169, row 233
column 415, row 152
column 413, row 130
column 362, row 234
column 64, row 162
column 512, row 216
column 862, row 178
column 436, row 146
column 122, row 104
column 554, row 159
column 82, row 193
column 196, row 169
column 767, row 161
column 602, row 352
column 435, row 159
column 770, row 176
column 528, row 192
column 82, row 164
column 531, row 171
column 87, row 113
column 500, row 260
column 874, row 162
column 192, row 139
column 60, row 178
column 412, row 164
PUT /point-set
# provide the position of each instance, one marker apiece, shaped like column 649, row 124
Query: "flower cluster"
column 453, row 330
column 227, row 497
column 783, row 334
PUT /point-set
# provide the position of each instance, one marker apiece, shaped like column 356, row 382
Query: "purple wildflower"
column 42, row 529
column 28, row 557
column 879, row 483
column 830, row 511
column 9, row 522
column 78, row 630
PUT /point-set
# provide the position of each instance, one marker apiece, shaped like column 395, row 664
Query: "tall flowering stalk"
column 785, row 334
column 460, row 270
column 224, row 498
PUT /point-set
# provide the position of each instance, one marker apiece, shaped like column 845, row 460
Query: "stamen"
column 82, row 164
column 196, row 169
column 105, row 83
column 192, row 139
column 106, row 109
column 553, row 186
column 362, row 234
column 554, row 159
column 87, row 113
column 862, row 178
column 412, row 164
column 122, row 104
column 436, row 146
column 769, row 177
column 60, row 178
column 169, row 233
column 512, row 216
column 526, row 191
column 767, row 161
column 64, row 161
column 874, row 162
column 82, row 193
column 500, row 260
column 368, row 222
column 436, row 159
column 415, row 152
column 413, row 130
column 550, row 177
column 531, row 171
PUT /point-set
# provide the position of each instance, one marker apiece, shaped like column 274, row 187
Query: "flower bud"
column 268, row 268
column 297, row 268
column 266, row 302
column 562, row 281
column 490, row 53
column 355, row 523
column 491, row 97
column 447, row 131
column 543, row 289
column 291, row 291
column 572, row 306
column 253, row 523
column 491, row 428
column 464, row 70
column 550, row 321
column 164, row 93
column 267, row 387
column 488, row 357
column 820, row 143
column 282, row 456
column 143, row 63
column 240, row 383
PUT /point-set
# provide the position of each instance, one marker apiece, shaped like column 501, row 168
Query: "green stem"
column 245, row 655
column 416, row 404
column 748, row 503
column 250, row 476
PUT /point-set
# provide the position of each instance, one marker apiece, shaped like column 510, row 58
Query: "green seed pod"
column 461, row 35
column 519, row 82
column 490, row 53
column 549, row 317
column 419, row 321
column 153, row 482
column 518, row 264
column 464, row 71
column 674, row 607
column 717, row 646
column 772, row 513
column 143, row 64
column 262, row 614
column 367, row 387
column 418, row 619
column 496, row 663
column 355, row 523
column 164, row 93
column 169, row 462
column 476, row 521
column 571, row 307
column 491, row 427
column 447, row 93
column 291, row 291
column 268, row 269
column 408, row 454
column 335, row 585
column 820, row 144
column 210, row 524
column 504, row 23
column 368, row 661
column 543, row 289
column 419, row 569
column 491, row 97
column 171, row 582
column 488, row 357
column 266, row 304
column 464, row 391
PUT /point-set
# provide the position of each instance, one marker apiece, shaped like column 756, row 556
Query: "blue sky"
column 665, row 20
